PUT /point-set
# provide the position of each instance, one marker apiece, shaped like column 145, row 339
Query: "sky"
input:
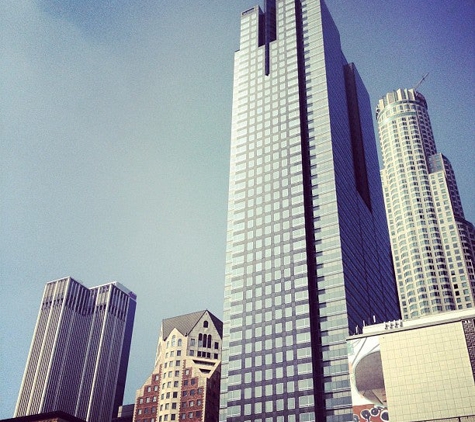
column 114, row 144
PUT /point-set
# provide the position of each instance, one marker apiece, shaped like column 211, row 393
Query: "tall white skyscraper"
column 308, row 255
column 432, row 243
column 80, row 350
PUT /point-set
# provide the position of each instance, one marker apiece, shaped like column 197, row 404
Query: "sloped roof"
column 185, row 323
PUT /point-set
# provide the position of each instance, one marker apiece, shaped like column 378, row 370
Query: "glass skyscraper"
column 308, row 257
column 80, row 351
column 432, row 243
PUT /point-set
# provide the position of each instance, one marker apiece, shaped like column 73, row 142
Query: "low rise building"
column 416, row 370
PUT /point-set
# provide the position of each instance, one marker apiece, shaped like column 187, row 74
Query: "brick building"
column 185, row 382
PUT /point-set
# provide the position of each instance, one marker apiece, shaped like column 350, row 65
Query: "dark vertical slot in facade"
column 267, row 30
column 271, row 21
column 262, row 28
column 309, row 217
column 357, row 144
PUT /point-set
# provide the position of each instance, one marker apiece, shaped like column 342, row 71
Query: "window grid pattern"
column 284, row 350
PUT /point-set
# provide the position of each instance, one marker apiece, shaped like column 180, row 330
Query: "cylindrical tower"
column 433, row 271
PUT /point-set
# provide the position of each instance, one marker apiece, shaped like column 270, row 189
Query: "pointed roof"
column 185, row 323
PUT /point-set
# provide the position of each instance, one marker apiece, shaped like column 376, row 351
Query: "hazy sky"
column 114, row 144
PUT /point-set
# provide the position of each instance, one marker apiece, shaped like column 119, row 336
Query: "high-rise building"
column 80, row 350
column 432, row 243
column 308, row 256
column 185, row 382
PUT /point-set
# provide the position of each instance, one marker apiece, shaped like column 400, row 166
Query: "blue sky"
column 114, row 144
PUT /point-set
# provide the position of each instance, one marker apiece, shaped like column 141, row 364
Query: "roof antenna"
column 420, row 82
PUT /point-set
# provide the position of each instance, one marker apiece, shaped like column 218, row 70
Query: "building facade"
column 184, row 384
column 417, row 370
column 80, row 350
column 432, row 243
column 308, row 256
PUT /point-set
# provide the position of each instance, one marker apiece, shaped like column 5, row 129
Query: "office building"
column 432, row 243
column 125, row 413
column 308, row 255
column 79, row 353
column 416, row 370
column 184, row 384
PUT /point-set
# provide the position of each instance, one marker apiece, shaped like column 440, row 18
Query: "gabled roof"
column 185, row 323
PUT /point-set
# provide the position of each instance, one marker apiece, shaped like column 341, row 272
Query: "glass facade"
column 432, row 243
column 308, row 258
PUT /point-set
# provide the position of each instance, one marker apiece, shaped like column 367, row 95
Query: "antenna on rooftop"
column 420, row 82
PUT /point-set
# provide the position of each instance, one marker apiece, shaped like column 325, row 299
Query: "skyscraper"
column 184, row 384
column 308, row 257
column 432, row 243
column 80, row 350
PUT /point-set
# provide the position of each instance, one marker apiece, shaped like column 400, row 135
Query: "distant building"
column 125, row 413
column 185, row 382
column 433, row 246
column 56, row 416
column 417, row 370
column 79, row 353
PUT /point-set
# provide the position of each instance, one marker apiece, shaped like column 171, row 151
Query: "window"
column 205, row 324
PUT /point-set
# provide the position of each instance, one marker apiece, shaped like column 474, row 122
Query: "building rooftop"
column 185, row 323
column 410, row 324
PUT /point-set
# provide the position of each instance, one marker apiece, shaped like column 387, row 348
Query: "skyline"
column 82, row 86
